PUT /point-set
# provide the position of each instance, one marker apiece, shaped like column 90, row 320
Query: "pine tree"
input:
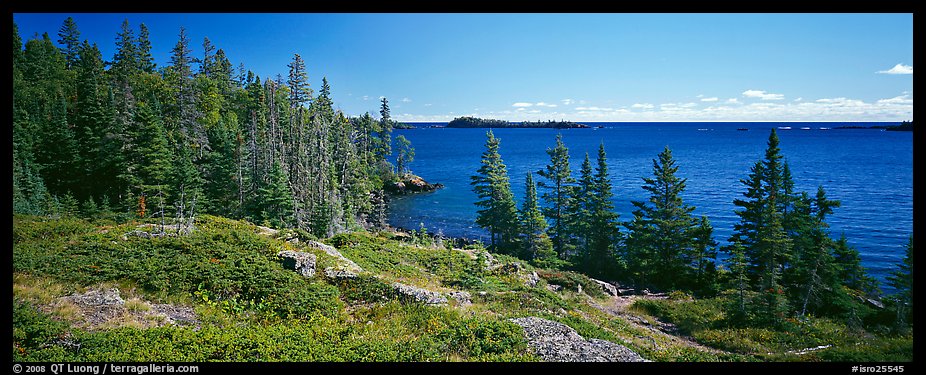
column 603, row 231
column 384, row 146
column 405, row 154
column 275, row 198
column 664, row 253
column 537, row 246
column 580, row 225
column 849, row 268
column 70, row 40
column 558, row 197
column 902, row 281
column 497, row 212
column 739, row 282
column 815, row 281
column 145, row 60
column 703, row 253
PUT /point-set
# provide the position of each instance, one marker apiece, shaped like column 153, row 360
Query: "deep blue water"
column 870, row 171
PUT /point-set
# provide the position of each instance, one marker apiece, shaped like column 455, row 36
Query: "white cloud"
column 688, row 105
column 733, row 101
column 903, row 99
column 522, row 104
column 542, row 104
column 593, row 109
column 428, row 104
column 699, row 96
column 365, row 97
column 406, row 100
column 898, row 69
column 521, row 109
column 711, row 99
column 567, row 101
column 762, row 95
column 799, row 99
column 642, row 106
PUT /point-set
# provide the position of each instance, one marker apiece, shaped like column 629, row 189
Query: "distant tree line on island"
column 474, row 122
column 781, row 261
column 129, row 138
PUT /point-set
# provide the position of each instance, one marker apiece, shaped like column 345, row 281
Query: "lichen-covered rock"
column 347, row 264
column 428, row 297
column 556, row 342
column 335, row 273
column 464, row 298
column 301, row 262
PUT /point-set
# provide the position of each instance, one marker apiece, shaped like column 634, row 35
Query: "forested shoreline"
column 475, row 122
column 782, row 262
column 124, row 136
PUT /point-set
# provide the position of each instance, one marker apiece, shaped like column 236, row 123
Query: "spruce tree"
column 497, row 212
column 145, row 60
column 666, row 250
column 902, row 282
column 536, row 245
column 603, row 231
column 560, row 187
column 405, row 154
column 70, row 41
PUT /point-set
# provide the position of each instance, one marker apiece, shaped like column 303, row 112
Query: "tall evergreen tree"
column 70, row 41
column 661, row 258
column 145, row 60
column 497, row 212
column 537, row 246
column 558, row 197
column 405, row 154
column 902, row 281
column 580, row 225
column 603, row 231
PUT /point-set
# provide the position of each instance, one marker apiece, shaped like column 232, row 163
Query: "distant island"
column 906, row 126
column 402, row 125
column 473, row 122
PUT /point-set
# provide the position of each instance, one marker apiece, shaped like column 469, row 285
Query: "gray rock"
column 335, row 273
column 532, row 279
column 554, row 287
column 174, row 314
column 607, row 288
column 301, row 262
column 555, row 342
column 108, row 297
column 464, row 298
column 428, row 297
column 330, row 250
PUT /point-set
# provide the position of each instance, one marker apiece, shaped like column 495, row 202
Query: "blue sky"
column 581, row 67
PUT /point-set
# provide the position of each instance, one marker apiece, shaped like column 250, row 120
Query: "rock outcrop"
column 555, row 342
column 105, row 308
column 428, row 297
column 607, row 288
column 411, row 184
column 345, row 264
column 301, row 262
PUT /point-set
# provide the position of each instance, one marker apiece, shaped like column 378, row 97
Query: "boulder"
column 335, row 273
column 607, row 288
column 428, row 297
column 348, row 264
column 301, row 262
column 556, row 342
column 464, row 298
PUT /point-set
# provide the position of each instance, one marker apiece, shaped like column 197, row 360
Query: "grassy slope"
column 252, row 309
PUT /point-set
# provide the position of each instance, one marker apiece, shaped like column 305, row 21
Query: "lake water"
column 870, row 171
